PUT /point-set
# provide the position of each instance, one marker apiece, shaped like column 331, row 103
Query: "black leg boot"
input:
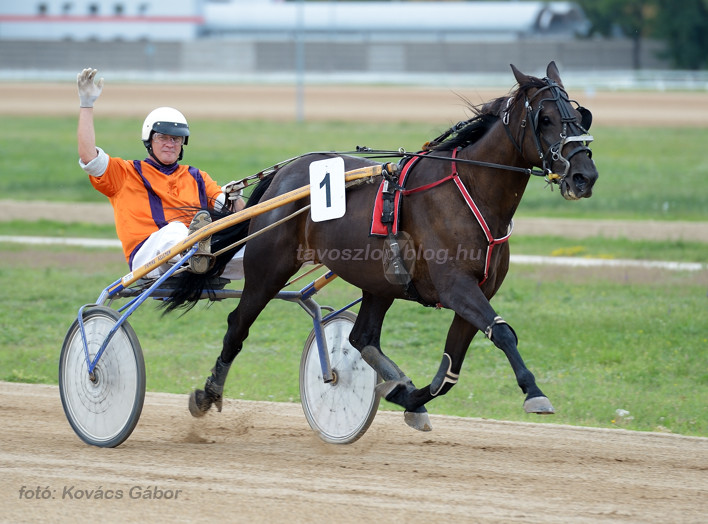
column 200, row 401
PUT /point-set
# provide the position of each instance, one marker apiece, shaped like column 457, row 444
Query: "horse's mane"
column 485, row 116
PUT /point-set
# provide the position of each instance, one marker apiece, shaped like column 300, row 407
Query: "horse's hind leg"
column 366, row 337
column 201, row 400
column 254, row 299
column 239, row 322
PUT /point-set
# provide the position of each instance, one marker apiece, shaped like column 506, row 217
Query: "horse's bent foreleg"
column 459, row 337
column 367, row 328
column 366, row 337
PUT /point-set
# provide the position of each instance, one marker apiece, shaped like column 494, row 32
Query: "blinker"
column 585, row 117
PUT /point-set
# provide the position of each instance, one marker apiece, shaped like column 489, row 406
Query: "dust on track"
column 259, row 461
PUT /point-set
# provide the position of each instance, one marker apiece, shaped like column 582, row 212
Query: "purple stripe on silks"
column 203, row 201
column 132, row 254
column 158, row 213
column 162, row 168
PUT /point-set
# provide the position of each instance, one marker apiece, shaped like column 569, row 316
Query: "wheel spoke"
column 104, row 411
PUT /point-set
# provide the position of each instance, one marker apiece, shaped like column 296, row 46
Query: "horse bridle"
column 554, row 152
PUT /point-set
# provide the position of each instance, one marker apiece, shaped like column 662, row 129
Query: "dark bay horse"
column 460, row 198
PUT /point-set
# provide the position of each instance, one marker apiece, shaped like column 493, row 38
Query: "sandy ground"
column 261, row 462
column 345, row 103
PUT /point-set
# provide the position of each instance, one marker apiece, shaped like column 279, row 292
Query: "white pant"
column 166, row 237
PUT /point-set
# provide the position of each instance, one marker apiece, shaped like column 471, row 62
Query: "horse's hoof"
column 418, row 420
column 199, row 404
column 539, row 405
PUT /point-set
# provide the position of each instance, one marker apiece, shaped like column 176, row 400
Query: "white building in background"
column 184, row 20
column 382, row 20
column 157, row 20
column 254, row 39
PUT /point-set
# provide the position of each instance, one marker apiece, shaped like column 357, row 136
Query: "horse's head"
column 558, row 139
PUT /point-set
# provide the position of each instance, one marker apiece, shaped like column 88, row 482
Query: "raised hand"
column 88, row 90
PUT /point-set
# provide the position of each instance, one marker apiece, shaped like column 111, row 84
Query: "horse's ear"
column 553, row 74
column 520, row 77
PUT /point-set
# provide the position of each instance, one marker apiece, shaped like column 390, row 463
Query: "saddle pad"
column 378, row 228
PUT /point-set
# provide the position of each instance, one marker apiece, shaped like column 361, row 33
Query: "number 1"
column 326, row 183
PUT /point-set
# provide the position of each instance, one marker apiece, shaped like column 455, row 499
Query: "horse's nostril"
column 583, row 185
column 580, row 182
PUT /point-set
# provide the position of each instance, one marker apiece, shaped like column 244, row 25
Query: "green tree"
column 632, row 18
column 684, row 27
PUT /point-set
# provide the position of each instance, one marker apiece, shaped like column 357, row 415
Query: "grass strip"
column 597, row 343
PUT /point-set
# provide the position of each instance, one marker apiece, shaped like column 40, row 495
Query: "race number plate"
column 327, row 191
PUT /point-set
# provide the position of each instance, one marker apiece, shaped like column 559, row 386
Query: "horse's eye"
column 545, row 121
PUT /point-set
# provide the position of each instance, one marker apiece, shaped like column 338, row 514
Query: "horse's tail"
column 189, row 287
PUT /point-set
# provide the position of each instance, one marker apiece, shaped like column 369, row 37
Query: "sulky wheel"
column 104, row 409
column 341, row 411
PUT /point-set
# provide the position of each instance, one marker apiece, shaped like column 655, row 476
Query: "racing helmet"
column 165, row 120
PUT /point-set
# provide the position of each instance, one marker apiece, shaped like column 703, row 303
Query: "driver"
column 149, row 197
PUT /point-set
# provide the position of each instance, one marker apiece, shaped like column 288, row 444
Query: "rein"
column 402, row 153
column 367, row 152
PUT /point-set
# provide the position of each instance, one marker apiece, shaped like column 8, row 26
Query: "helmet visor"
column 171, row 128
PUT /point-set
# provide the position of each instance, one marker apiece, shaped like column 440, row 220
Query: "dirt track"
column 340, row 103
column 261, row 462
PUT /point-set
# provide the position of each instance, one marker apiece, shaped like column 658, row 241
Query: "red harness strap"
column 491, row 241
column 378, row 228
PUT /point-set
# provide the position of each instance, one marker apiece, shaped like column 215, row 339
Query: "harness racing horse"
column 459, row 198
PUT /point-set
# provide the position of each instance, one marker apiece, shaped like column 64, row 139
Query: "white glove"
column 88, row 90
column 233, row 190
